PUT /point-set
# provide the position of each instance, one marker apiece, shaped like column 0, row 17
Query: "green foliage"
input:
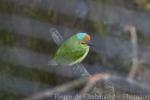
column 39, row 45
column 143, row 4
column 35, row 44
column 7, row 38
column 8, row 96
column 27, row 73
column 99, row 28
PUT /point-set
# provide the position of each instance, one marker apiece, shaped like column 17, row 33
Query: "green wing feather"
column 69, row 53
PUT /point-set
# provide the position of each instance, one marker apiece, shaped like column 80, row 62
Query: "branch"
column 92, row 80
column 57, row 90
column 135, row 61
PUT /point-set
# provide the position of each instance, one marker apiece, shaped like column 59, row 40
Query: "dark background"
column 26, row 44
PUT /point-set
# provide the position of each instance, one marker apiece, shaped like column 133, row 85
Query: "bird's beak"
column 89, row 43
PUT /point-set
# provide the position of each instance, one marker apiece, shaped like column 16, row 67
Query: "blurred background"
column 26, row 43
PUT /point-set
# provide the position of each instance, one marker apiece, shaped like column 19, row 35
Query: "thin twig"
column 120, row 83
column 68, row 86
column 135, row 61
column 92, row 80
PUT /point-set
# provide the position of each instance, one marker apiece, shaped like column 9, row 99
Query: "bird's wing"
column 68, row 54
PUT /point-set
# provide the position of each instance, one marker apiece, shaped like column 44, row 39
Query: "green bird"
column 73, row 50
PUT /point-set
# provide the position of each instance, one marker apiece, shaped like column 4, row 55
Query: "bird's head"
column 84, row 39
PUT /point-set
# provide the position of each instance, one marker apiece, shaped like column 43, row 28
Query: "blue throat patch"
column 81, row 36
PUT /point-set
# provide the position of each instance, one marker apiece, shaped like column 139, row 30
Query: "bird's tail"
column 52, row 63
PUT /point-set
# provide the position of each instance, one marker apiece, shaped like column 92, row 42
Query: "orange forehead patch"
column 87, row 38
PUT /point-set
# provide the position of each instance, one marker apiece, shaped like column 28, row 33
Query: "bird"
column 72, row 51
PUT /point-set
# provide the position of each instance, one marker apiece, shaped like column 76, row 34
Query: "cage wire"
column 77, row 69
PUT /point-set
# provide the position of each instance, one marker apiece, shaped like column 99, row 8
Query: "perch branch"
column 92, row 80
column 57, row 90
